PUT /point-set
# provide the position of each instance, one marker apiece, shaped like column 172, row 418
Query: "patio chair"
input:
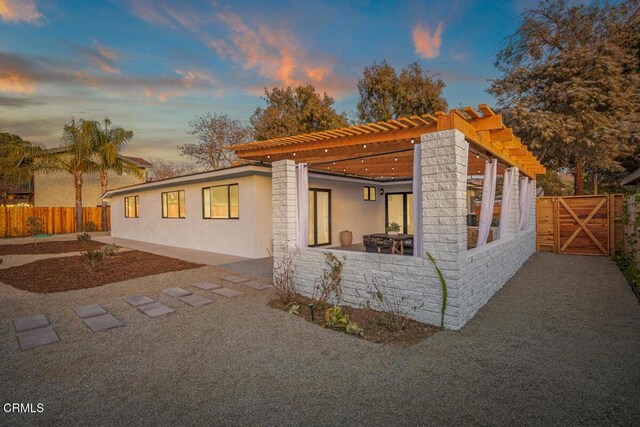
column 408, row 246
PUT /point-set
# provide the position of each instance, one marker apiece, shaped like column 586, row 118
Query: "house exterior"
column 303, row 190
column 55, row 189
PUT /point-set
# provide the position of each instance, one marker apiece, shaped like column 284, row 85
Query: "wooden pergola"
column 384, row 150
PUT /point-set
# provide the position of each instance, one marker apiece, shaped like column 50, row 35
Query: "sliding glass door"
column 399, row 209
column 319, row 217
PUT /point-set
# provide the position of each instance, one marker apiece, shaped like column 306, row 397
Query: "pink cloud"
column 427, row 45
column 19, row 11
column 103, row 58
column 15, row 83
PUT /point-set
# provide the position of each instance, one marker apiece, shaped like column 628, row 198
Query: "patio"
column 428, row 165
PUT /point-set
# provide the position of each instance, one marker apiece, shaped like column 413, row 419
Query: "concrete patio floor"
column 558, row 344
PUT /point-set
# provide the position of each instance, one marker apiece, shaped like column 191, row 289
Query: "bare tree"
column 163, row 169
column 215, row 132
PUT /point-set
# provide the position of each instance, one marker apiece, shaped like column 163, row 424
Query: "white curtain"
column 488, row 199
column 302, row 198
column 531, row 191
column 523, row 201
column 418, row 249
column 505, row 207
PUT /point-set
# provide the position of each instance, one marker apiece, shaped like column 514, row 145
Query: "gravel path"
column 559, row 344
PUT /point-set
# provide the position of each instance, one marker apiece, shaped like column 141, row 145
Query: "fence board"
column 56, row 220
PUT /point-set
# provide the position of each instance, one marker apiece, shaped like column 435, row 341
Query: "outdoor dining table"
column 397, row 246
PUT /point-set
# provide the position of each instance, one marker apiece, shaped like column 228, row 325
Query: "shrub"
column 83, row 237
column 35, row 226
column 283, row 278
column 89, row 227
column 336, row 318
column 387, row 298
column 330, row 281
column 110, row 250
column 93, row 259
column 393, row 226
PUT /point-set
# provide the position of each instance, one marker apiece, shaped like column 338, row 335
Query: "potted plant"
column 346, row 238
column 393, row 228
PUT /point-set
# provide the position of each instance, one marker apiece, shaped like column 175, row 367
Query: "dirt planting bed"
column 375, row 324
column 70, row 273
column 53, row 247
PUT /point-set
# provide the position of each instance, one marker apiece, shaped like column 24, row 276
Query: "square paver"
column 176, row 292
column 155, row 309
column 91, row 310
column 102, row 322
column 195, row 300
column 206, row 286
column 257, row 285
column 31, row 322
column 138, row 300
column 37, row 337
column 229, row 293
column 234, row 279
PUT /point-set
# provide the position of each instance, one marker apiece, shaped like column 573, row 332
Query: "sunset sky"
column 152, row 65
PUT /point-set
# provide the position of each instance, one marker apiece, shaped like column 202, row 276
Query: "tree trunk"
column 578, row 178
column 104, row 180
column 594, row 183
column 78, row 186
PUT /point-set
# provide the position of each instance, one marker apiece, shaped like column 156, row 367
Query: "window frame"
column 179, row 206
column 228, row 217
column 136, row 206
column 370, row 189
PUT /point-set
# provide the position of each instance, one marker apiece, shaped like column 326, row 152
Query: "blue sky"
column 152, row 65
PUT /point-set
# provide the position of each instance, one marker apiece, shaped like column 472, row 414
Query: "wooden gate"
column 584, row 225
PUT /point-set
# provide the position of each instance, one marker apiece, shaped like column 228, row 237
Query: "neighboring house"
column 301, row 191
column 56, row 189
column 632, row 180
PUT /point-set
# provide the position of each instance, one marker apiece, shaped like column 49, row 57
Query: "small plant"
column 83, row 237
column 393, row 227
column 34, row 226
column 354, row 329
column 443, row 283
column 294, row 309
column 335, row 317
column 89, row 227
column 93, row 259
column 284, row 277
column 110, row 250
column 330, row 281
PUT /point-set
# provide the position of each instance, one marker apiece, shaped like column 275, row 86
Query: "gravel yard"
column 559, row 344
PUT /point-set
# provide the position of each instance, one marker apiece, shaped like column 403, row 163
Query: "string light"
column 364, row 146
column 294, row 154
column 326, row 150
column 268, row 157
column 413, row 141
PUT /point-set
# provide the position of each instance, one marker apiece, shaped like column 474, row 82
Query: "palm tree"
column 76, row 157
column 108, row 143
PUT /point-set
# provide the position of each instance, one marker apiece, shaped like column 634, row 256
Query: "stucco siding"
column 249, row 236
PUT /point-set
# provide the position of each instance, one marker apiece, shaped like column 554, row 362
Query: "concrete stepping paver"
column 138, row 300
column 91, row 310
column 257, row 285
column 207, row 286
column 155, row 309
column 195, row 300
column 229, row 293
column 234, row 279
column 30, row 322
column 37, row 337
column 176, row 292
column 102, row 322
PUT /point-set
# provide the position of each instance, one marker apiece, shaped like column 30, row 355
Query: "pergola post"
column 444, row 193
column 284, row 209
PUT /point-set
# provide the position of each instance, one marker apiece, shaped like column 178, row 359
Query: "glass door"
column 319, row 217
column 399, row 209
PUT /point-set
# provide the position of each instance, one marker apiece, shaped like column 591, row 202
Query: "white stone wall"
column 472, row 276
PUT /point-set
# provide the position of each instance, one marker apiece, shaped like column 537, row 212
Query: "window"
column 221, row 202
column 173, row 204
column 370, row 193
column 131, row 206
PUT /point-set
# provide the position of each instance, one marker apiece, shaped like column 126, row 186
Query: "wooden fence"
column 585, row 225
column 13, row 220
